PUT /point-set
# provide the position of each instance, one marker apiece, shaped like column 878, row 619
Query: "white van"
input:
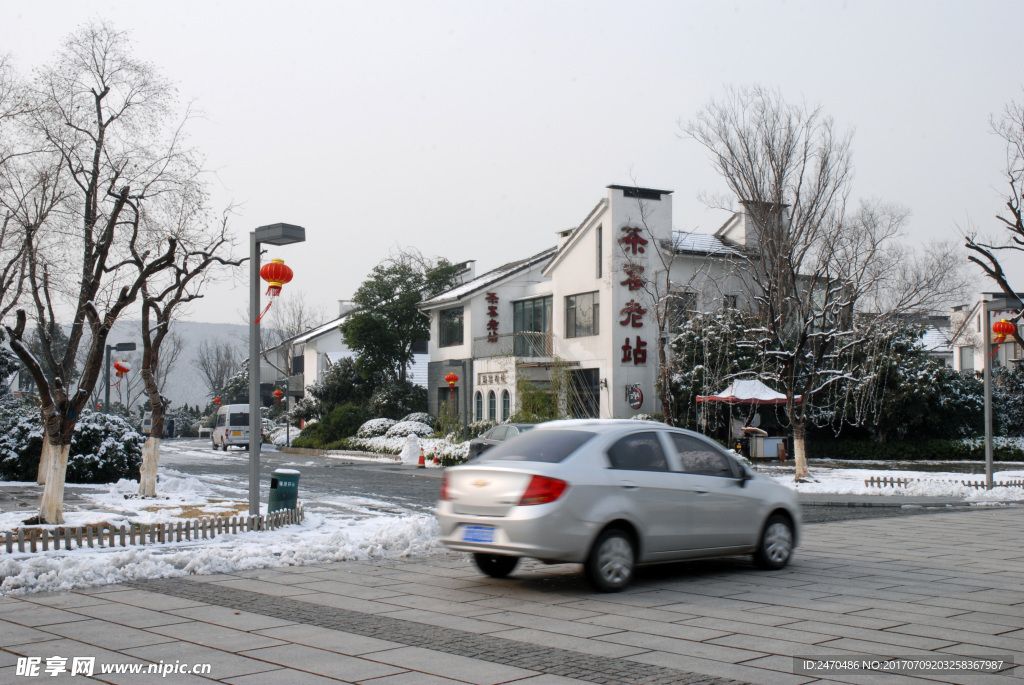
column 232, row 427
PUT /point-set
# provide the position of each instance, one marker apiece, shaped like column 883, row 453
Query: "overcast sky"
column 475, row 130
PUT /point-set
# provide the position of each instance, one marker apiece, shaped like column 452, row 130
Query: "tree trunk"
column 150, row 461
column 799, row 454
column 44, row 460
column 50, row 509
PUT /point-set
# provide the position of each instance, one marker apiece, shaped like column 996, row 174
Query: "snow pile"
column 922, row 484
column 318, row 539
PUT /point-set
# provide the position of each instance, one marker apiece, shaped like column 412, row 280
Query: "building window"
column 681, row 306
column 506, row 405
column 450, row 327
column 491, row 406
column 729, row 302
column 967, row 358
column 531, row 322
column 600, row 249
column 479, row 402
column 582, row 315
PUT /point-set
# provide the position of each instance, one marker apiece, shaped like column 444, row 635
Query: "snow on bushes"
column 375, row 428
column 104, row 447
column 406, row 428
column 421, row 416
column 448, row 452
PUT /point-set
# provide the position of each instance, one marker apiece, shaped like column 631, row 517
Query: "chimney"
column 563, row 237
column 345, row 306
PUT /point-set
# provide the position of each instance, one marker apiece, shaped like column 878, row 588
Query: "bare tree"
column 1009, row 127
column 217, row 362
column 809, row 266
column 291, row 315
column 101, row 149
column 163, row 297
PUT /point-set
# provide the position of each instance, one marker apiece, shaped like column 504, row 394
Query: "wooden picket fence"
column 66, row 537
column 878, row 482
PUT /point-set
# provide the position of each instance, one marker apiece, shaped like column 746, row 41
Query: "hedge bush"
column 375, row 428
column 342, row 422
column 405, row 428
column 420, row 416
column 104, row 447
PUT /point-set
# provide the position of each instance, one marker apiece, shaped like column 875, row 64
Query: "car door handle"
column 701, row 492
column 629, row 485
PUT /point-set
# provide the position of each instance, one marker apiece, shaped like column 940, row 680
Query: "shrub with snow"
column 421, row 416
column 405, row 428
column 104, row 447
column 375, row 428
column 478, row 428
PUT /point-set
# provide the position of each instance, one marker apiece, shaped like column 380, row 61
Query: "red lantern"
column 1003, row 328
column 216, row 401
column 278, row 395
column 121, row 369
column 276, row 274
column 98, row 406
column 452, row 380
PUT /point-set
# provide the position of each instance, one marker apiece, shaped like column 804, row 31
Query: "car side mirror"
column 744, row 477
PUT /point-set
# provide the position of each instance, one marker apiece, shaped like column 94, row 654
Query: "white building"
column 581, row 315
column 966, row 337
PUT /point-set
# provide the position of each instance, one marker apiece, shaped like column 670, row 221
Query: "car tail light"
column 444, row 487
column 543, row 490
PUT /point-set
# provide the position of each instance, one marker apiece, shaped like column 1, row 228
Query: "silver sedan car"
column 611, row 494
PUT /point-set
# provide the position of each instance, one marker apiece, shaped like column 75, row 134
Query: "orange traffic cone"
column 423, row 460
column 437, row 462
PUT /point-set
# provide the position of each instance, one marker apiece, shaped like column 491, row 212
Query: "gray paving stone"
column 218, row 637
column 223, row 616
column 568, row 642
column 411, row 678
column 28, row 614
column 458, row 667
column 741, row 672
column 331, row 640
column 105, row 634
column 321, row 661
column 64, row 600
column 223, row 664
column 284, row 676
column 433, row 618
column 16, row 634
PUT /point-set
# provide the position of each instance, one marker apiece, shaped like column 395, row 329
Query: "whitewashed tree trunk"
column 44, row 460
column 150, row 461
column 800, row 454
column 51, row 507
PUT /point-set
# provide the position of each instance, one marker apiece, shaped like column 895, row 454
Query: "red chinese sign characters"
column 492, row 311
column 634, row 277
column 633, row 240
column 637, row 354
column 634, row 314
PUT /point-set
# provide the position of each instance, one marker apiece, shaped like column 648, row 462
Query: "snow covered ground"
column 336, row 528
column 924, row 483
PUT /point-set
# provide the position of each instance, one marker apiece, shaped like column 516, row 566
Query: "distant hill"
column 185, row 384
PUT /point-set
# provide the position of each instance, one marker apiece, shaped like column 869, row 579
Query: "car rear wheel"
column 776, row 546
column 496, row 565
column 612, row 560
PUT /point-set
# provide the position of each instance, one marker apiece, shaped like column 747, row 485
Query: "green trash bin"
column 284, row 490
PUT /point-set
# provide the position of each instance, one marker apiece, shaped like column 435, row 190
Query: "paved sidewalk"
column 944, row 584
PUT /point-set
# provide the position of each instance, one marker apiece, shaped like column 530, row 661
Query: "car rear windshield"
column 239, row 419
column 545, row 445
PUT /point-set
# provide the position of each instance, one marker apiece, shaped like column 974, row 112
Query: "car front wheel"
column 776, row 546
column 495, row 565
column 611, row 562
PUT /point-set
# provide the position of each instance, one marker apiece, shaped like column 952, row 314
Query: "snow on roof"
column 747, row 392
column 320, row 330
column 936, row 340
column 700, row 243
column 487, row 279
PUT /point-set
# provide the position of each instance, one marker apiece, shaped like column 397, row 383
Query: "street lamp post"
column 987, row 307
column 274, row 234
column 120, row 347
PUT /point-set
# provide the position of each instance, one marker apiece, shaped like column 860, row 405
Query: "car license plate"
column 236, row 434
column 478, row 534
